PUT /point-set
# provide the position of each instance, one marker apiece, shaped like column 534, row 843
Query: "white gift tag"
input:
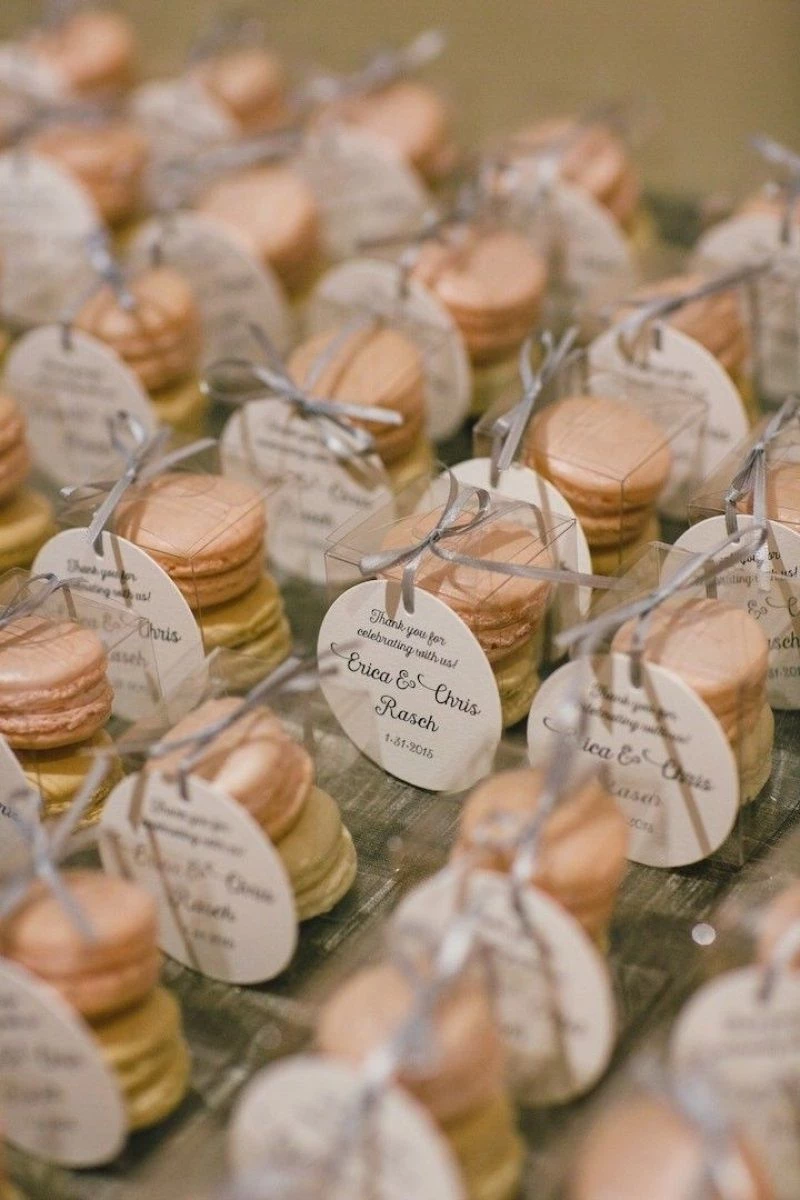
column 523, row 483
column 670, row 766
column 69, row 392
column 60, row 1101
column 233, row 290
column 364, row 188
column 553, row 998
column 314, row 494
column 747, row 240
column 16, row 800
column 303, row 1114
column 777, row 609
column 226, row 906
column 45, row 219
column 414, row 691
column 677, row 369
column 373, row 285
column 751, row 1044
column 125, row 575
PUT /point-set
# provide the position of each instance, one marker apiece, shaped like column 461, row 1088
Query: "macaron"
column 93, row 52
column 108, row 160
column 249, row 83
column 413, row 119
column 206, row 531
column 15, row 457
column 465, row 1068
column 254, row 624
column 275, row 213
column 488, row 1150
column 145, row 1049
column 491, row 282
column 607, row 458
column 110, row 973
column 27, row 521
column 319, row 856
column 582, row 851
column 54, row 688
column 643, row 1147
column 58, row 775
column 376, row 366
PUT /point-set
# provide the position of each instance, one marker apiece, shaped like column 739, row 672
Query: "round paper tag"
column 776, row 608
column 678, row 370
column 232, row 290
column 523, row 483
column 372, row 285
column 558, row 1044
column 365, row 190
column 226, row 906
column 414, row 691
column 751, row 1044
column 69, row 393
column 752, row 239
column 669, row 764
column 315, row 493
column 60, row 1101
column 172, row 648
column 294, row 1116
column 45, row 218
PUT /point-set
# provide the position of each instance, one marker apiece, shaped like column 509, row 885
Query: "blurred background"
column 709, row 71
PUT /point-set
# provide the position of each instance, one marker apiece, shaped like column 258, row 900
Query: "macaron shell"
column 182, row 406
column 59, row 774
column 15, row 465
column 412, row 117
column 317, row 899
column 612, row 559
column 93, row 51
column 489, row 1151
column 249, row 83
column 310, row 847
column 754, row 755
column 108, row 160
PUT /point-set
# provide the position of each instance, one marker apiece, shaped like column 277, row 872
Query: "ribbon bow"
column 700, row 568
column 509, row 429
column 23, row 605
column 383, row 69
column 144, row 461
column 239, row 381
column 448, row 525
column 751, row 478
column 47, row 850
column 636, row 325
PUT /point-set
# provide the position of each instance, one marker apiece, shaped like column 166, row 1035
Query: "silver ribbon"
column 700, row 568
column 638, row 323
column 24, row 605
column 145, row 461
column 239, row 381
column 448, row 526
column 751, row 479
column 47, row 850
column 383, row 69
column 509, row 429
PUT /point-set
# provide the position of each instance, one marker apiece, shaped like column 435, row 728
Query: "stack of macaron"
column 26, row 516
column 92, row 53
column 158, row 337
column 207, row 532
column 582, row 847
column 110, row 981
column 412, row 118
column 107, row 158
column 717, row 321
column 55, row 699
column 461, row 1081
column 376, row 366
column 275, row 213
column 611, row 462
column 505, row 613
column 643, row 1146
column 249, row 85
column 258, row 764
column 721, row 653
column 492, row 282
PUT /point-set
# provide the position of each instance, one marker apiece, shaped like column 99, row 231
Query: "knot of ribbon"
column 145, row 459
column 453, row 521
column 384, row 68
column 509, row 429
column 25, row 601
column 751, row 479
column 239, row 381
column 699, row 569
column 48, row 849
column 633, row 329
